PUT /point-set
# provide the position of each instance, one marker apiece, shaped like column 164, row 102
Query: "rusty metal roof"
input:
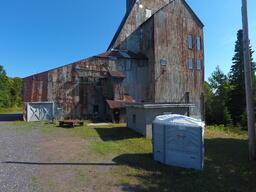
column 122, row 54
column 117, row 104
column 114, row 104
column 117, row 74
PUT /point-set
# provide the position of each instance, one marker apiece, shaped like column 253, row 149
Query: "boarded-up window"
column 198, row 43
column 190, row 63
column 190, row 41
column 199, row 64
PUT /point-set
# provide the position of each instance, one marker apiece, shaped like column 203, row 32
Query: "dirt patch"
column 68, row 165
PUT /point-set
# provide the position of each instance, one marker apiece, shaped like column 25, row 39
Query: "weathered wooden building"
column 156, row 56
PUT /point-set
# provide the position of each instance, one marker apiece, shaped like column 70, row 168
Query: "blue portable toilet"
column 179, row 141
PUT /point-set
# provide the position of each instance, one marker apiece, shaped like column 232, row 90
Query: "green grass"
column 233, row 131
column 34, row 184
column 227, row 168
column 11, row 110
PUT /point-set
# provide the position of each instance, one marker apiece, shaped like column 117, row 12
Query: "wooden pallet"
column 71, row 123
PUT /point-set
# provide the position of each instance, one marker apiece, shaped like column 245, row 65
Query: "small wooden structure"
column 71, row 123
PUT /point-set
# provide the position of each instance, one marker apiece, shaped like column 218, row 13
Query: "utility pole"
column 248, row 82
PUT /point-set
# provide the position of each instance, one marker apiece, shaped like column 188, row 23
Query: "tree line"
column 10, row 90
column 225, row 94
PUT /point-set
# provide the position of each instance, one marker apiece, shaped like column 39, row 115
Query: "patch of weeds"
column 34, row 185
column 230, row 130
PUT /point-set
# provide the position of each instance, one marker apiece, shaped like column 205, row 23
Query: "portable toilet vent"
column 179, row 141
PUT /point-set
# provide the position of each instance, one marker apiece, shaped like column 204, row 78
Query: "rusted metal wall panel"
column 172, row 26
column 137, row 16
column 62, row 86
column 142, row 41
column 79, row 99
column 164, row 77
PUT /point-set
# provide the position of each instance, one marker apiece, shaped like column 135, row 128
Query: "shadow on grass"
column 11, row 117
column 116, row 133
column 227, row 169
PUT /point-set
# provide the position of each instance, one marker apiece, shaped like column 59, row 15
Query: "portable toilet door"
column 183, row 147
column 178, row 141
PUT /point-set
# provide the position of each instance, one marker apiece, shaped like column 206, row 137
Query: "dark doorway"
column 116, row 113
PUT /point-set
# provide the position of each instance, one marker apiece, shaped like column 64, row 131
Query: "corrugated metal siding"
column 142, row 41
column 62, row 85
column 137, row 17
column 162, row 39
column 172, row 26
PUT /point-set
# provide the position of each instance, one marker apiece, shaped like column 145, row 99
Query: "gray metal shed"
column 141, row 116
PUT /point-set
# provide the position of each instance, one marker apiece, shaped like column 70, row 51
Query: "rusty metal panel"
column 150, row 53
column 172, row 26
column 139, row 81
column 61, row 85
column 136, row 16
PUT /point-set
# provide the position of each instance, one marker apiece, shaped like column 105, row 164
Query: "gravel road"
column 17, row 147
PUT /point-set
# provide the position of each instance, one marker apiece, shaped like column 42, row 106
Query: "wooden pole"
column 248, row 82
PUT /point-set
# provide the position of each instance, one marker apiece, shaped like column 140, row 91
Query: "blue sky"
column 38, row 35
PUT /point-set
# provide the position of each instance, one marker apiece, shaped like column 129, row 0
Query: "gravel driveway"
column 17, row 147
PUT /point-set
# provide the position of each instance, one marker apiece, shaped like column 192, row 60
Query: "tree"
column 2, row 71
column 220, row 88
column 237, row 103
column 16, row 91
column 209, row 116
column 4, row 89
column 10, row 90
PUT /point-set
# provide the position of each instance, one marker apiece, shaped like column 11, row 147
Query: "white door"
column 40, row 111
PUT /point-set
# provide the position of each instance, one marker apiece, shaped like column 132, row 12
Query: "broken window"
column 190, row 41
column 190, row 63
